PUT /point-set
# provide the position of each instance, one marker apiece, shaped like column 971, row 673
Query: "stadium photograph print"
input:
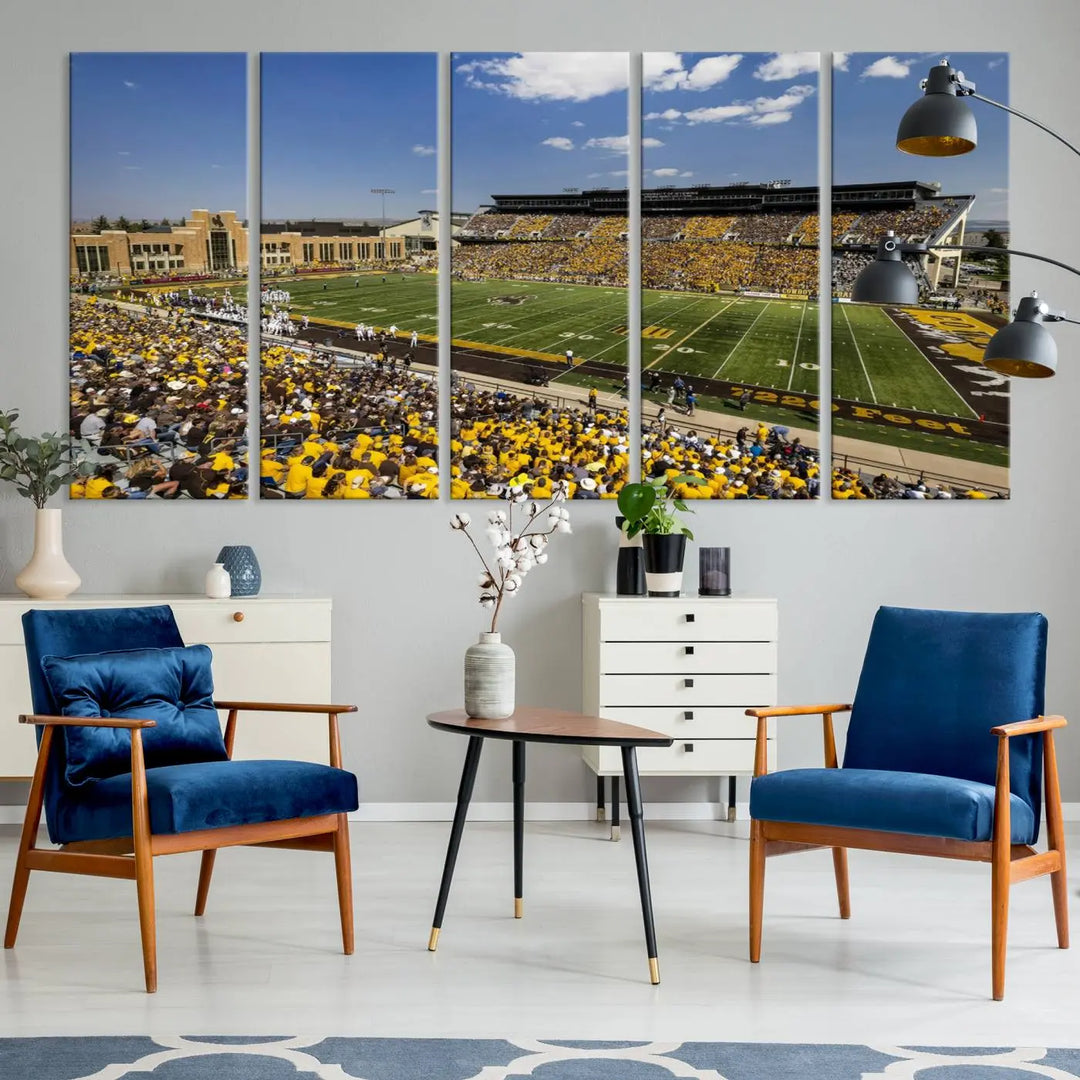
column 915, row 413
column 729, row 267
column 539, row 300
column 158, row 272
column 349, row 299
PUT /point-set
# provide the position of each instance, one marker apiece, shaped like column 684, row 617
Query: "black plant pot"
column 664, row 555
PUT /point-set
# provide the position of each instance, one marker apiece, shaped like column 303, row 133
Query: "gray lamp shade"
column 1024, row 349
column 886, row 280
column 939, row 124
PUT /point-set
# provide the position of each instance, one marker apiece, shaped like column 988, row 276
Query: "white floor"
column 912, row 966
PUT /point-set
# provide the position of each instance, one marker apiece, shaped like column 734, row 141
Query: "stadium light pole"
column 940, row 124
column 1024, row 348
column 383, row 191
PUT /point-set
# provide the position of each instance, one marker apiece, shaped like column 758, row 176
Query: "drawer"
column 686, row 691
column 214, row 621
column 704, row 657
column 709, row 757
column 688, row 619
column 701, row 723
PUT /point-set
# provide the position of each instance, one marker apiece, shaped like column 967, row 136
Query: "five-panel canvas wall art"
column 724, row 240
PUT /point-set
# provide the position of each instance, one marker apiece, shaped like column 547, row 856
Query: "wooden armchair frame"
column 132, row 857
column 1009, row 862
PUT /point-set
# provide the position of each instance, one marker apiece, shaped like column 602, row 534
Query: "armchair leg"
column 206, row 870
column 27, row 840
column 999, row 902
column 343, row 865
column 843, row 894
column 144, row 862
column 1055, row 832
column 757, row 887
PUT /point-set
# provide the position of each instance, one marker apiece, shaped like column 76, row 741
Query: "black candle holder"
column 714, row 571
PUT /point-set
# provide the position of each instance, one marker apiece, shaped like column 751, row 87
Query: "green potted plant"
column 38, row 468
column 652, row 509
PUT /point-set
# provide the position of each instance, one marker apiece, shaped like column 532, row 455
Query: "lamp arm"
column 916, row 248
column 1024, row 116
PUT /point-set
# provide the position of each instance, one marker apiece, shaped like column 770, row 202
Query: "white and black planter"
column 664, row 555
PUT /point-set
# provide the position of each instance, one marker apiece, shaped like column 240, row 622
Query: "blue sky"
column 870, row 95
column 158, row 134
column 335, row 125
column 723, row 118
column 536, row 123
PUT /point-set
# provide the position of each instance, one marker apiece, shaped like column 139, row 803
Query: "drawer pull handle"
column 688, row 683
column 238, row 616
column 689, row 650
column 688, row 748
column 689, row 616
column 688, row 715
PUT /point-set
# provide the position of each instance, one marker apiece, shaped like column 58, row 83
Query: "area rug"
column 302, row 1058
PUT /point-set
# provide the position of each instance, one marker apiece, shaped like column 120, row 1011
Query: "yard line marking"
column 858, row 353
column 926, row 360
column 742, row 339
column 686, row 337
column 795, row 354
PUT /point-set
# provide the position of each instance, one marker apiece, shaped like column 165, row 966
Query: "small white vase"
column 218, row 582
column 489, row 678
column 48, row 575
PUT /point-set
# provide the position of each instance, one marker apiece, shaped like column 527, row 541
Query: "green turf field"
column 408, row 301
column 875, row 362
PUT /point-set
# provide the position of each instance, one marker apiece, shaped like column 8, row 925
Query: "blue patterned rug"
column 298, row 1058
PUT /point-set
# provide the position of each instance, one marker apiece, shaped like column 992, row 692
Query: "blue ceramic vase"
column 243, row 569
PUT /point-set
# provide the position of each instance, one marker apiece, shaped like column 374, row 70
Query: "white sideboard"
column 687, row 666
column 266, row 648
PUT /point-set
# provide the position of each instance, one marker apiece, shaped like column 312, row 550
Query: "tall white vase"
column 48, row 575
column 489, row 678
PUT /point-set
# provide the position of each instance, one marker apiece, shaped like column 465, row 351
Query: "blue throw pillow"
column 172, row 686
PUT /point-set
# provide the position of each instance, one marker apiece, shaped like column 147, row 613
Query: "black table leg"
column 465, row 789
column 637, row 828
column 599, row 798
column 731, row 798
column 519, row 824
column 615, row 830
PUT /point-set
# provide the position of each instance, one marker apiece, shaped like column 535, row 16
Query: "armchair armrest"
column 797, row 710
column 86, row 721
column 285, row 707
column 761, row 766
column 1029, row 727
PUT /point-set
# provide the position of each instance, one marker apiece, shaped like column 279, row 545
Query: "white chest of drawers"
column 266, row 648
column 686, row 666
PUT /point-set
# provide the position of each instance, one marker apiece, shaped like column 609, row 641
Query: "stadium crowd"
column 850, row 483
column 158, row 402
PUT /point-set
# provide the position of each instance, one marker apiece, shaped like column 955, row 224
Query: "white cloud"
column 133, row 168
column 423, row 151
column 760, row 111
column 559, row 142
column 665, row 71
column 717, row 114
column 665, row 172
column 557, row 76
column 996, row 62
column 686, row 173
column 129, row 84
column 124, row 153
column 788, row 65
column 429, row 191
column 667, row 114
column 998, row 190
column 619, row 172
column 215, row 165
column 765, row 119
column 576, row 123
column 792, row 96
column 840, row 61
column 888, row 67
column 618, row 144
column 593, row 175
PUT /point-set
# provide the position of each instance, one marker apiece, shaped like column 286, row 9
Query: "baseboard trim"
column 540, row 811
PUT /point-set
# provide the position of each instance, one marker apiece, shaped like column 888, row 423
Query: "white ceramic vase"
column 218, row 582
column 48, row 575
column 489, row 678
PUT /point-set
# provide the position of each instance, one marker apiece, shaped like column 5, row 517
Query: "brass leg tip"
column 433, row 940
column 519, row 907
column 601, row 814
column 615, row 833
column 654, row 971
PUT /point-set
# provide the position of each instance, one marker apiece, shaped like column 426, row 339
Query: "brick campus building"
column 218, row 242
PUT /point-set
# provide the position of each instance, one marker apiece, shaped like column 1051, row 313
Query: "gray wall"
column 402, row 583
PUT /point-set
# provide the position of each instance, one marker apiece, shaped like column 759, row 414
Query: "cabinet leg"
column 519, row 824
column 600, row 812
column 731, row 798
column 615, row 831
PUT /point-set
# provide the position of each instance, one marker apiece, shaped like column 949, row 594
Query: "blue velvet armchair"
column 945, row 746
column 132, row 763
